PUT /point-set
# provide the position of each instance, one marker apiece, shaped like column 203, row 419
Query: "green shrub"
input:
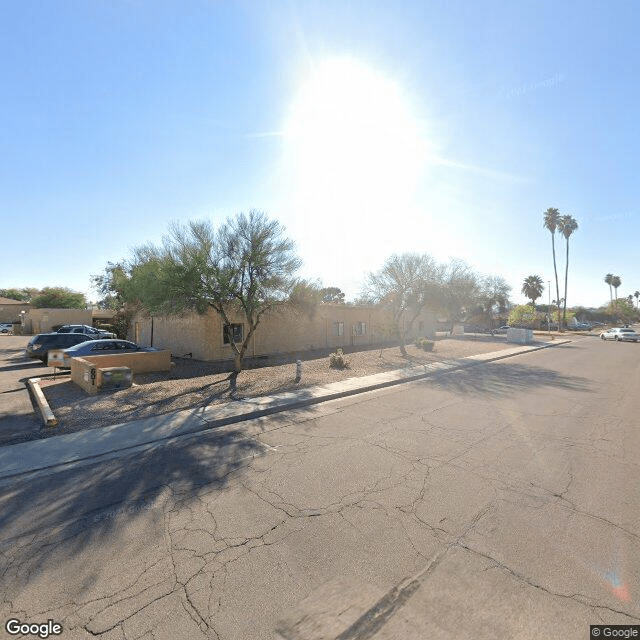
column 425, row 344
column 337, row 360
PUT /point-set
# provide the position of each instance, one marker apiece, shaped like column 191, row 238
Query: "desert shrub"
column 425, row 344
column 524, row 316
column 338, row 360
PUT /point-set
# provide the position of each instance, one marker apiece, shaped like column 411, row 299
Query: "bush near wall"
column 338, row 360
column 425, row 344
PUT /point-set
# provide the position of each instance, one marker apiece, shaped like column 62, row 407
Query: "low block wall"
column 85, row 371
column 85, row 375
column 137, row 362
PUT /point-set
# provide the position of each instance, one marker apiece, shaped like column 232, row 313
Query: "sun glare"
column 356, row 148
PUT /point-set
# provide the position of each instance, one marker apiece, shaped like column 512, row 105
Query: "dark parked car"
column 91, row 333
column 101, row 348
column 39, row 346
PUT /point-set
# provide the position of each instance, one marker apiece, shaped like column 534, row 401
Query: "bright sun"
column 357, row 149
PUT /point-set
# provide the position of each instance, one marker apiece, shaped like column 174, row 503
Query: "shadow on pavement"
column 502, row 379
column 85, row 506
column 24, row 366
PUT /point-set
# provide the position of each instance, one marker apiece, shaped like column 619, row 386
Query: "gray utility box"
column 115, row 378
column 520, row 336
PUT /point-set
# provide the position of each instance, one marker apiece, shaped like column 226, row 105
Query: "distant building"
column 10, row 309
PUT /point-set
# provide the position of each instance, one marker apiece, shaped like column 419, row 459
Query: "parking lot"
column 18, row 421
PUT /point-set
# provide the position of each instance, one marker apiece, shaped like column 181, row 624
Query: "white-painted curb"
column 45, row 410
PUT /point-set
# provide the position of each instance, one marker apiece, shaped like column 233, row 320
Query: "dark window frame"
column 238, row 333
column 360, row 329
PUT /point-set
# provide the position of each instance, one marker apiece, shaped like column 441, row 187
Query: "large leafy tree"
column 332, row 294
column 405, row 284
column 551, row 223
column 532, row 288
column 622, row 311
column 247, row 267
column 23, row 295
column 566, row 225
column 59, row 298
column 460, row 288
column 493, row 297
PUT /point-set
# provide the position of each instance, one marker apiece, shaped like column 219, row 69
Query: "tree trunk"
column 555, row 270
column 403, row 350
column 566, row 276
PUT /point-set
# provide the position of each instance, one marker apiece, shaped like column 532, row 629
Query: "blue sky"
column 366, row 128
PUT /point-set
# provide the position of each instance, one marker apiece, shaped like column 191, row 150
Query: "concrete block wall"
column 43, row 320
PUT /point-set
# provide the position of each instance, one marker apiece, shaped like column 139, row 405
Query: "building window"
column 340, row 328
column 360, row 329
column 232, row 333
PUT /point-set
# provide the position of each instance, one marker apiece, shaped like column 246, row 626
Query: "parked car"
column 502, row 329
column 91, row 332
column 6, row 327
column 101, row 348
column 620, row 334
column 38, row 347
column 579, row 326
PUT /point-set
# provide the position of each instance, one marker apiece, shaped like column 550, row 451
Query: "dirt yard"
column 192, row 384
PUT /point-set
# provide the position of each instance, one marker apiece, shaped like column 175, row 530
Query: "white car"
column 6, row 327
column 624, row 334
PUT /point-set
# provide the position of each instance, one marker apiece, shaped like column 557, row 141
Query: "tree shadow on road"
column 74, row 510
column 502, row 379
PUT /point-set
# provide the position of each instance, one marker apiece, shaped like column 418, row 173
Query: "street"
column 500, row 501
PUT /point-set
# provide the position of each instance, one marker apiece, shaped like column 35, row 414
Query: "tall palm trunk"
column 610, row 292
column 555, row 269
column 566, row 277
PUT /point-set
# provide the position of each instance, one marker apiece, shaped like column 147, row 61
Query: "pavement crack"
column 577, row 597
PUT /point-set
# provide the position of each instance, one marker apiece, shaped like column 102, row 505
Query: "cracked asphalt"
column 500, row 501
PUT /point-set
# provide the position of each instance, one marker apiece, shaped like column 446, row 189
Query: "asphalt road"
column 18, row 420
column 501, row 501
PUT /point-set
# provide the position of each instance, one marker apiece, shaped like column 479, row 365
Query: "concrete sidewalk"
column 93, row 443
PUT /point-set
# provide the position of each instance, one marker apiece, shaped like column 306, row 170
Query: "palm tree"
column 566, row 225
column 551, row 219
column 609, row 279
column 532, row 288
column 637, row 295
column 615, row 283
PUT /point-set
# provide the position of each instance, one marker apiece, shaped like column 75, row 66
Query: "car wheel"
column 617, row 338
column 602, row 337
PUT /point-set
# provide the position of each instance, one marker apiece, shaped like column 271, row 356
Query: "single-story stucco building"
column 10, row 310
column 280, row 332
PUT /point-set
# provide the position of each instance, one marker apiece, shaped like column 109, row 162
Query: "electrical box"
column 112, row 378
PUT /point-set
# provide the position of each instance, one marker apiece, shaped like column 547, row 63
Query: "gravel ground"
column 192, row 384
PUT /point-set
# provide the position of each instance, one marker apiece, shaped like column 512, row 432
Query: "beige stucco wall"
column 11, row 312
column 282, row 331
column 42, row 320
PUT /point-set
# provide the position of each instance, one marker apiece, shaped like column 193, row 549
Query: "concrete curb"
column 48, row 418
column 50, row 453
